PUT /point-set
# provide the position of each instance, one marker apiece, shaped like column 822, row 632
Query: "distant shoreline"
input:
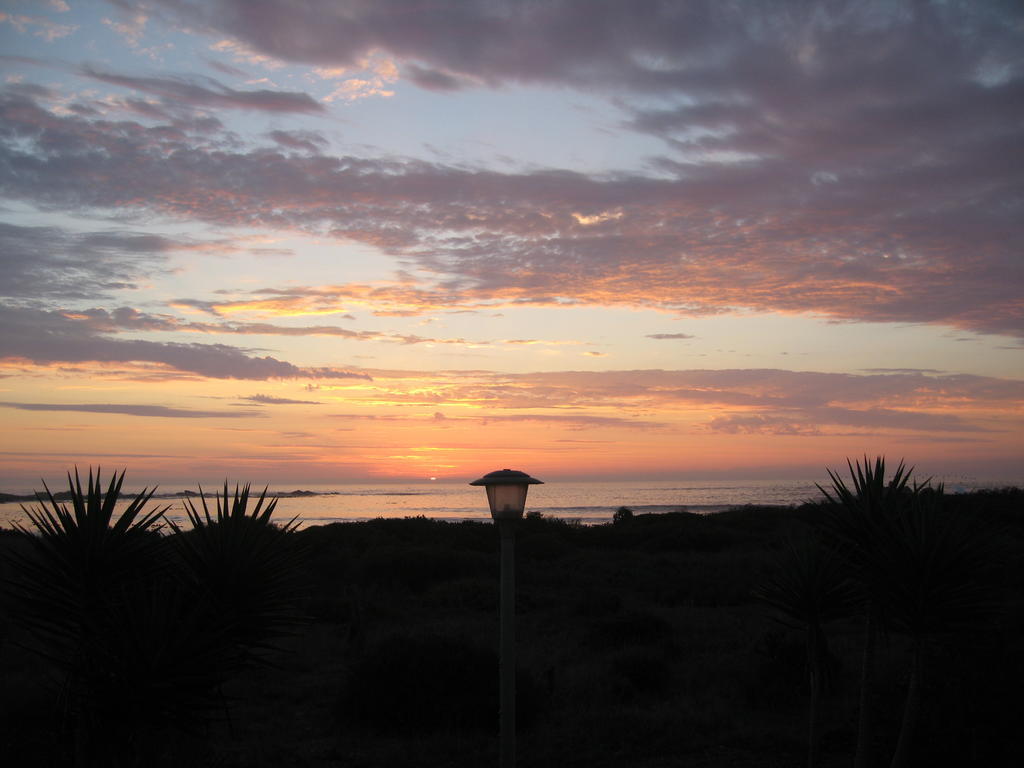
column 13, row 498
column 577, row 505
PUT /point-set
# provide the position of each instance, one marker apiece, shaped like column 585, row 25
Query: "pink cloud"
column 856, row 171
column 207, row 92
column 45, row 338
column 132, row 409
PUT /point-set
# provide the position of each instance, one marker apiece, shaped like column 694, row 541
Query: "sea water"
column 588, row 502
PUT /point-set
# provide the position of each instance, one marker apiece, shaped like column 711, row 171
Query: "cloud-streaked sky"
column 327, row 241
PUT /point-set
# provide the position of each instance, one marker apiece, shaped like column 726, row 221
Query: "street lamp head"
column 506, row 492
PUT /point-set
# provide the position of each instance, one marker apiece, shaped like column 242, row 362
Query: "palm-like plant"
column 925, row 572
column 158, row 664
column 810, row 586
column 243, row 566
column 857, row 516
column 74, row 585
column 78, row 559
column 145, row 628
column 937, row 571
column 858, row 511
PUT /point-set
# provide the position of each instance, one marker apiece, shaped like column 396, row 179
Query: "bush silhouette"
column 83, row 588
column 143, row 628
column 243, row 568
column 925, row 572
column 416, row 684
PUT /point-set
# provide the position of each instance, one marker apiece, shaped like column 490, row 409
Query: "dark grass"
column 640, row 644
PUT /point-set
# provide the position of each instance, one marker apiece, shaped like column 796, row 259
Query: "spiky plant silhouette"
column 143, row 628
column 856, row 516
column 79, row 560
column 76, row 588
column 938, row 573
column 810, row 586
column 925, row 573
column 243, row 566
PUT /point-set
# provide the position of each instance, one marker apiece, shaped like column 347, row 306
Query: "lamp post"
column 506, row 496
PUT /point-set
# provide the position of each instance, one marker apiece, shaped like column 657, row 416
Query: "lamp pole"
column 507, row 644
column 506, row 497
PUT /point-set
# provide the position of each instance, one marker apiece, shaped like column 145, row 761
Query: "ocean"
column 589, row 502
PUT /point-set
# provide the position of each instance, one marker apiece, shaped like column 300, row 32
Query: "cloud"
column 596, row 218
column 644, row 391
column 851, row 410
column 271, row 400
column 38, row 26
column 747, row 401
column 53, row 263
column 437, row 80
column 834, row 160
column 760, row 424
column 132, row 29
column 663, row 336
column 129, row 319
column 356, row 88
column 207, row 92
column 131, row 409
column 572, row 420
column 579, row 421
column 374, row 75
column 227, row 69
column 902, row 370
column 811, row 422
column 242, row 53
column 308, row 141
column 49, row 337
column 700, row 46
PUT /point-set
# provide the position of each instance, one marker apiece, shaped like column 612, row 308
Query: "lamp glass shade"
column 507, row 501
column 506, row 492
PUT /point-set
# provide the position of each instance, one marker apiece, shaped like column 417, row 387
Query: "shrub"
column 144, row 628
column 243, row 567
column 417, row 567
column 416, row 684
column 778, row 670
column 641, row 673
column 629, row 629
column 89, row 589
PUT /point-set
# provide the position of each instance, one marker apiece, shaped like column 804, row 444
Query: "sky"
column 317, row 241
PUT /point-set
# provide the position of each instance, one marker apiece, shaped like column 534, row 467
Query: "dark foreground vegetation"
column 735, row 639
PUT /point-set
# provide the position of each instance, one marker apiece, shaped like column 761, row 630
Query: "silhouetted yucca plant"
column 243, row 565
column 75, row 588
column 857, row 517
column 935, row 575
column 925, row 572
column 810, row 586
column 78, row 559
column 857, row 513
column 156, row 662
column 145, row 628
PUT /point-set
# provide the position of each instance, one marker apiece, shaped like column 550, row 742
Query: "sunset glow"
column 656, row 240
